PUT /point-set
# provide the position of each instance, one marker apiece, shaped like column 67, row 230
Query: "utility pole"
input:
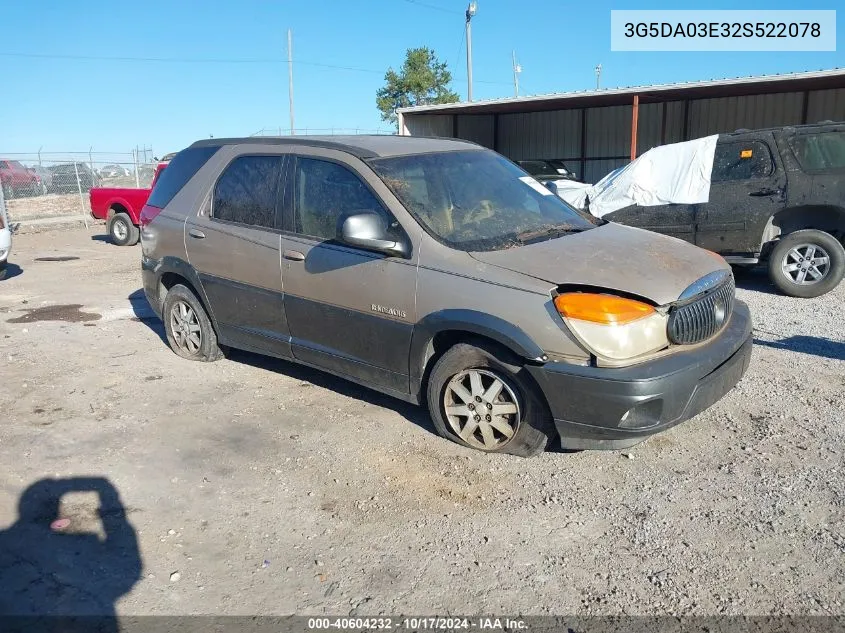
column 598, row 77
column 472, row 9
column 516, row 70
column 290, row 78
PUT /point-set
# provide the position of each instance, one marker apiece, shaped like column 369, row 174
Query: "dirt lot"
column 252, row 486
column 47, row 206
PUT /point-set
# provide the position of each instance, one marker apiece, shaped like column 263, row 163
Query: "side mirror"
column 369, row 231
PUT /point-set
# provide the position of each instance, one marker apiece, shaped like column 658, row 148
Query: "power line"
column 460, row 44
column 210, row 60
column 186, row 60
column 436, row 8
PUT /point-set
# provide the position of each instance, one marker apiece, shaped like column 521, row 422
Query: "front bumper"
column 603, row 408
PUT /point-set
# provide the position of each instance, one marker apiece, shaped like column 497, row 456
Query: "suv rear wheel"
column 188, row 328
column 807, row 263
column 121, row 230
column 480, row 397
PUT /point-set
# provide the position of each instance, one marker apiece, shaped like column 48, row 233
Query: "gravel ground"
column 252, row 486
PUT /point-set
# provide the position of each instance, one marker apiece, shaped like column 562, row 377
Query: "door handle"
column 196, row 233
column 765, row 192
column 295, row 256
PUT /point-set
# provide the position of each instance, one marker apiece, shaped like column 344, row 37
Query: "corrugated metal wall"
column 727, row 114
column 477, row 128
column 429, row 125
column 554, row 134
column 826, row 105
column 557, row 134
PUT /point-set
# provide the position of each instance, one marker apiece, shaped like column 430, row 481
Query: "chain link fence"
column 39, row 187
column 45, row 186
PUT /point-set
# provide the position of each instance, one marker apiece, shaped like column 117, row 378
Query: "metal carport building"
column 597, row 131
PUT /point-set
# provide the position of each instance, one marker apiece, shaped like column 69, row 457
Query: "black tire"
column 534, row 426
column 121, row 230
column 207, row 350
column 781, row 254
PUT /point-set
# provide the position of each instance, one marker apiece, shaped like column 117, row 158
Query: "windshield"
column 477, row 200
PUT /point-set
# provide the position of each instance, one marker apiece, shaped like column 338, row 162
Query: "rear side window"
column 247, row 191
column 741, row 161
column 819, row 152
column 179, row 171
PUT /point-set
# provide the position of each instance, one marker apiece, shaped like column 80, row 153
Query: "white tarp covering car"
column 678, row 173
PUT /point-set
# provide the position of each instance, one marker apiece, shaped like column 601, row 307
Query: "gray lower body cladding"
column 600, row 408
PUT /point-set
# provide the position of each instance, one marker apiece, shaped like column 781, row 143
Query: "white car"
column 5, row 237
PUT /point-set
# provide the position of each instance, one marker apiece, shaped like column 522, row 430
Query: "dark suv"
column 776, row 196
column 439, row 272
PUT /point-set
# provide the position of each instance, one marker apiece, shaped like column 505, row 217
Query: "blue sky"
column 69, row 104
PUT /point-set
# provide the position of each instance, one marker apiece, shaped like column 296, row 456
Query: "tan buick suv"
column 439, row 272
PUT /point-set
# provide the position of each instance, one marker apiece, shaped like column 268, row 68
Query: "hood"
column 615, row 257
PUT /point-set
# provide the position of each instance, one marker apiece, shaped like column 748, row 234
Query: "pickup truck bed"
column 121, row 209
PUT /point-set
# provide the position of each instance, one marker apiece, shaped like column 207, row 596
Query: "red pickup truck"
column 120, row 208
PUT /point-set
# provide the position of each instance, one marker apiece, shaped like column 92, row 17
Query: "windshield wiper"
column 553, row 231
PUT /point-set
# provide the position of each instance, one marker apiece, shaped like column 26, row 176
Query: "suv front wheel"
column 188, row 328
column 480, row 397
column 807, row 263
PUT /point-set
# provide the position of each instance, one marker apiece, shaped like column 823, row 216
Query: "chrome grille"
column 703, row 317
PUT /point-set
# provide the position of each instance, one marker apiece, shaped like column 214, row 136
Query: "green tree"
column 422, row 80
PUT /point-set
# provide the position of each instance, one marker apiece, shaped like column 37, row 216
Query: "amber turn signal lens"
column 598, row 308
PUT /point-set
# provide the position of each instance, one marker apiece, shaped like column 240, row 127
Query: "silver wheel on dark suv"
column 807, row 263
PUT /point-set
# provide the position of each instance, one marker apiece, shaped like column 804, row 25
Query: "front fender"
column 473, row 322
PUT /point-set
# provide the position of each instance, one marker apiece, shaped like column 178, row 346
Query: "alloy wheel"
column 185, row 327
column 806, row 264
column 481, row 409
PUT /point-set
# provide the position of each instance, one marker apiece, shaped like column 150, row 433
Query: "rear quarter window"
column 819, row 152
column 179, row 171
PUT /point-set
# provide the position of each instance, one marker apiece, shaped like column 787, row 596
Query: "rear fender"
column 180, row 268
column 828, row 218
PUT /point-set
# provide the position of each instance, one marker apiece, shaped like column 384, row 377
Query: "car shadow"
column 814, row 345
column 11, row 270
column 144, row 313
column 64, row 558
column 413, row 413
column 756, row 279
column 101, row 238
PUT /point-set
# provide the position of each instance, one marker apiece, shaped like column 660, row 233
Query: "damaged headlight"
column 613, row 327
